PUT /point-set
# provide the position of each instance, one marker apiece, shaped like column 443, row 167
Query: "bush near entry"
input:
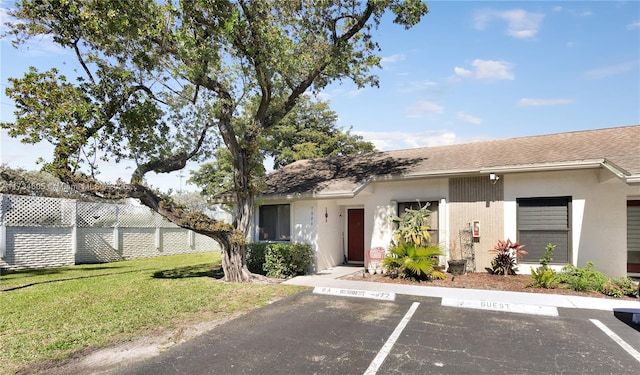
column 280, row 260
column 580, row 278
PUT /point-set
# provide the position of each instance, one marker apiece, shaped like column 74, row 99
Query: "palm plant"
column 411, row 261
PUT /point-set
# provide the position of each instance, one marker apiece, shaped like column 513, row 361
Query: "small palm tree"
column 413, row 262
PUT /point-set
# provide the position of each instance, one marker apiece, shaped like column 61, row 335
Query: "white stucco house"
column 578, row 190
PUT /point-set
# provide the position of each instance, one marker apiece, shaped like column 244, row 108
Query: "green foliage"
column 413, row 226
column 622, row 286
column 256, row 253
column 310, row 131
column 543, row 276
column 216, row 177
column 283, row 260
column 548, row 255
column 410, row 261
column 582, row 279
column 505, row 261
column 164, row 83
column 152, row 74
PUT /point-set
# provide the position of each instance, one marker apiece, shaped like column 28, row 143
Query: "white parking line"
column 634, row 353
column 501, row 306
column 386, row 348
column 384, row 296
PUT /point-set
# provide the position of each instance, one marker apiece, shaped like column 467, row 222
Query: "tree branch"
column 311, row 77
column 169, row 164
column 81, row 60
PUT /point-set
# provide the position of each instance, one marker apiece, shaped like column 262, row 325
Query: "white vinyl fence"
column 37, row 232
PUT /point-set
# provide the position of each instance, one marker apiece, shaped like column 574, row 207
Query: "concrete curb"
column 330, row 279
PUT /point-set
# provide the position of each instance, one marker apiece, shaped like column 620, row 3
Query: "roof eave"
column 542, row 167
column 545, row 167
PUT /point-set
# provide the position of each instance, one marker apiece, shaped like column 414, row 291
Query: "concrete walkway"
column 331, row 278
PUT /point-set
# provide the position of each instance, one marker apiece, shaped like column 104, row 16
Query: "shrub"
column 548, row 255
column 413, row 262
column 543, row 276
column 622, row 286
column 256, row 252
column 582, row 279
column 505, row 261
column 285, row 260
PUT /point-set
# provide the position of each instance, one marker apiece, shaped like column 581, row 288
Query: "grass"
column 50, row 314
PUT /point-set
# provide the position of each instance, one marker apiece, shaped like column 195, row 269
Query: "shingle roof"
column 617, row 149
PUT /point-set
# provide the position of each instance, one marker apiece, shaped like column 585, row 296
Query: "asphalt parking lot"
column 323, row 334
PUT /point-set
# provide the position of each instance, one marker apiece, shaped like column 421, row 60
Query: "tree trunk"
column 233, row 264
column 234, row 251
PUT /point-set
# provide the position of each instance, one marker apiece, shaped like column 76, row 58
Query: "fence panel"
column 38, row 232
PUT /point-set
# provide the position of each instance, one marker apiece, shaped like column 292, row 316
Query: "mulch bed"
column 482, row 280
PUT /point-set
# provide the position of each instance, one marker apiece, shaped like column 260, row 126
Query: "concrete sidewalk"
column 331, row 278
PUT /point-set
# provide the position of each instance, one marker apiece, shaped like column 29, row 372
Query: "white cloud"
column 468, row 118
column 581, row 13
column 414, row 86
column 611, row 70
column 423, row 107
column 355, row 92
column 520, row 23
column 462, row 72
column 531, row 102
column 386, row 141
column 392, row 59
column 633, row 25
column 557, row 9
column 487, row 70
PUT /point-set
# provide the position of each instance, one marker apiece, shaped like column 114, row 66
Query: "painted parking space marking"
column 386, row 348
column 501, row 306
column 384, row 296
column 628, row 348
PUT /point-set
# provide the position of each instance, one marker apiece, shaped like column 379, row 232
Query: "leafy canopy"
column 166, row 82
column 155, row 77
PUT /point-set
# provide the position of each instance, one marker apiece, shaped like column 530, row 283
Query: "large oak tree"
column 163, row 82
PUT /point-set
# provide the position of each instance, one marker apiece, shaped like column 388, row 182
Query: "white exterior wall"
column 379, row 200
column 304, row 223
column 331, row 230
column 384, row 202
column 598, row 213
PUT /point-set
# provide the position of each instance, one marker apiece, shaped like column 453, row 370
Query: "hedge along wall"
column 37, row 232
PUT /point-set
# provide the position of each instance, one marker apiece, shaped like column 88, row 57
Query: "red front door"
column 355, row 235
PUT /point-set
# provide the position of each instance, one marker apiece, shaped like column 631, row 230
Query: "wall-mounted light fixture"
column 493, row 178
column 326, row 215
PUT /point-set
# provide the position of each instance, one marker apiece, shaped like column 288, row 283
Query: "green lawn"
column 49, row 314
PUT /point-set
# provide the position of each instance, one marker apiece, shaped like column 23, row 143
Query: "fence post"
column 3, row 227
column 116, row 230
column 74, row 230
column 158, row 238
column 192, row 239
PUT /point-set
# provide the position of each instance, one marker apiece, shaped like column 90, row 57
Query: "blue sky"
column 471, row 70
